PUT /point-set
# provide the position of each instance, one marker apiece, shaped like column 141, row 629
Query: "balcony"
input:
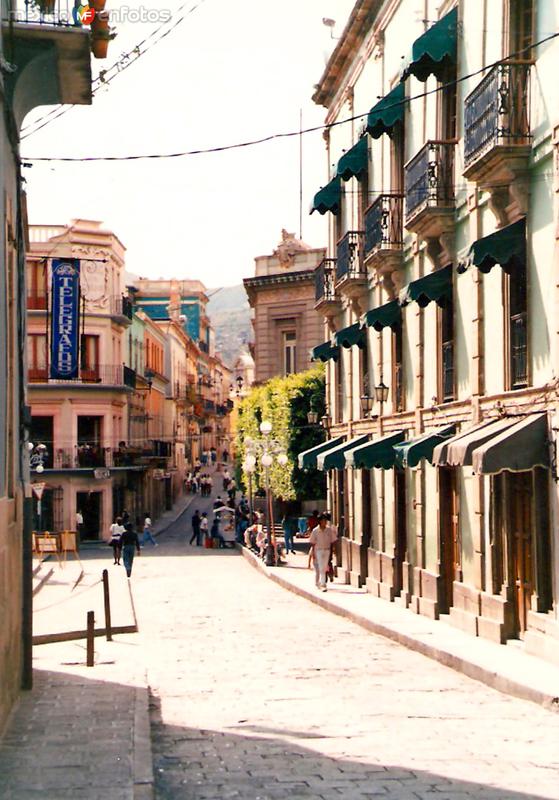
column 326, row 299
column 497, row 137
column 430, row 200
column 51, row 54
column 122, row 309
column 384, row 238
column 351, row 274
column 116, row 375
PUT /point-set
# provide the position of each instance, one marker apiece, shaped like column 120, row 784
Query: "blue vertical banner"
column 65, row 319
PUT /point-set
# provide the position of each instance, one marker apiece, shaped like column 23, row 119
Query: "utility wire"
column 106, row 77
column 291, row 134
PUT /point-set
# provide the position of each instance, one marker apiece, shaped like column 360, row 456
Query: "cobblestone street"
column 257, row 693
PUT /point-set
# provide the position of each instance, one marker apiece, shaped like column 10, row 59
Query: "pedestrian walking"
column 215, row 533
column 226, row 479
column 196, row 519
column 225, row 456
column 204, row 527
column 288, row 532
column 322, row 538
column 79, row 523
column 213, row 455
column 148, row 536
column 117, row 529
column 130, row 546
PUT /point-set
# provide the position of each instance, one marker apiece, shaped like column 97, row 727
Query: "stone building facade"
column 282, row 296
column 439, row 298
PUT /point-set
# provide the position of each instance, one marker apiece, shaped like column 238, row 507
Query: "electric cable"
column 289, row 134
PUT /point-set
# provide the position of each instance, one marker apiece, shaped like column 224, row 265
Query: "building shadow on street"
column 254, row 762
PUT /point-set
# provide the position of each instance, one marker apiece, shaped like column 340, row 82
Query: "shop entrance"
column 90, row 504
column 449, row 538
column 521, row 545
column 400, row 529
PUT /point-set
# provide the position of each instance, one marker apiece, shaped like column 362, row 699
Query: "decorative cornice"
column 277, row 278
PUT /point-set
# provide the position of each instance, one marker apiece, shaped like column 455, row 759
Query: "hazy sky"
column 231, row 71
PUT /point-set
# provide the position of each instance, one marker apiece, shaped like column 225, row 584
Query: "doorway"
column 400, row 530
column 521, row 504
column 450, row 559
column 90, row 504
column 366, row 517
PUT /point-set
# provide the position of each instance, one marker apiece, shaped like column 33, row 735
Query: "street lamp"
column 381, row 392
column 266, row 448
column 366, row 404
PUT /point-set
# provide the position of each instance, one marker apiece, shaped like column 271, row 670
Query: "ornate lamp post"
column 266, row 449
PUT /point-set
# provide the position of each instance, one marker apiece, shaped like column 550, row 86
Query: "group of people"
column 125, row 541
column 199, row 482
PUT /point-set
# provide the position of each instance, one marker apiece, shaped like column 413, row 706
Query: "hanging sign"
column 65, row 319
column 38, row 489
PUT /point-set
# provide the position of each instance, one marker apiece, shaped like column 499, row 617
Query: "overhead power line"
column 288, row 134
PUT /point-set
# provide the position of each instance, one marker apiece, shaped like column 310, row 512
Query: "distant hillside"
column 229, row 313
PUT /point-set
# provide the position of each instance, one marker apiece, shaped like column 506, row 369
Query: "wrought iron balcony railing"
column 105, row 374
column 429, row 178
column 44, row 12
column 349, row 264
column 122, row 306
column 519, row 350
column 383, row 224
column 496, row 113
column 324, row 281
column 447, row 371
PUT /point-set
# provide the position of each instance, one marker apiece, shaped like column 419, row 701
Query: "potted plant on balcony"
column 45, row 6
column 101, row 35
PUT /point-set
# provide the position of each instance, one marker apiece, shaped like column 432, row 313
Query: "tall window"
column 37, row 285
column 37, row 357
column 398, row 369
column 397, row 160
column 364, row 368
column 446, row 350
column 289, row 352
column 517, row 325
column 521, row 27
column 90, row 356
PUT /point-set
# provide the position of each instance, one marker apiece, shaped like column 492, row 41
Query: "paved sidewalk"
column 506, row 668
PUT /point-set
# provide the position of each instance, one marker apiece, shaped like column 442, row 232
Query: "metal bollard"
column 107, row 599
column 90, row 638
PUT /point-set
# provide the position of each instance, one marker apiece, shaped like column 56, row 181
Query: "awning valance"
column 353, row 164
column 435, row 50
column 387, row 316
column 325, row 352
column 506, row 247
column 334, row 458
column 457, row 452
column 409, row 454
column 307, row 459
column 375, row 455
column 436, row 286
column 350, row 336
column 520, row 447
column 387, row 113
column 328, row 198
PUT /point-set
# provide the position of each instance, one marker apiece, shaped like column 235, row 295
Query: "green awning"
column 435, row 50
column 387, row 113
column 334, row 458
column 378, row 454
column 307, row 459
column 506, row 247
column 521, row 447
column 354, row 163
column 328, row 198
column 387, row 316
column 325, row 352
column 436, row 286
column 409, row 454
column 348, row 337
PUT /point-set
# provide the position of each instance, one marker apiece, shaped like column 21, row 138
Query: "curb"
column 492, row 679
column 142, row 760
column 172, row 521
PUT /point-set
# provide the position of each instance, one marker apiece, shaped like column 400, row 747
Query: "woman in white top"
column 117, row 529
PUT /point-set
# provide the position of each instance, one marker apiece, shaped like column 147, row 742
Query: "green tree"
column 285, row 403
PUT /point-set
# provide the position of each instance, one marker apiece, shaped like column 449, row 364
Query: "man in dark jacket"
column 196, row 528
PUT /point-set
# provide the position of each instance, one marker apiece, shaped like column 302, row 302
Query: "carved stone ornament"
column 288, row 248
column 94, row 277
